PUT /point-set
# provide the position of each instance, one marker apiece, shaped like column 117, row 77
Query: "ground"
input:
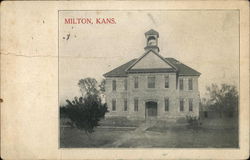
column 213, row 133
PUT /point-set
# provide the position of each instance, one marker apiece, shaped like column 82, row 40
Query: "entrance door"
column 151, row 109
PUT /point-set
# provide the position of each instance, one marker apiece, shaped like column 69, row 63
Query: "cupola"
column 152, row 41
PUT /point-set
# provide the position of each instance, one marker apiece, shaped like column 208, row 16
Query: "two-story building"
column 152, row 86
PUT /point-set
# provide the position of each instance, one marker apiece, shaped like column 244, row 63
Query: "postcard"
column 125, row 80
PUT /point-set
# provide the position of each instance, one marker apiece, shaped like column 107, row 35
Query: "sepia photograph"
column 149, row 78
column 118, row 80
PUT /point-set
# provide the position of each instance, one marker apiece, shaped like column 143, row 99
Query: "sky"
column 207, row 41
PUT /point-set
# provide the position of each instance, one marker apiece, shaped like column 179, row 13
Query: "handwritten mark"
column 68, row 35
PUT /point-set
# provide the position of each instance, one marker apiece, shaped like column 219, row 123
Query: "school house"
column 152, row 87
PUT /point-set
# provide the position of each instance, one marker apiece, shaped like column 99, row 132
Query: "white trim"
column 165, row 60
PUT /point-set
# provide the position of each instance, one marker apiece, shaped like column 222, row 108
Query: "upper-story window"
column 166, row 104
column 190, row 105
column 190, row 84
column 125, row 84
column 167, row 81
column 181, row 104
column 151, row 82
column 181, row 84
column 113, row 105
column 136, row 83
column 114, row 85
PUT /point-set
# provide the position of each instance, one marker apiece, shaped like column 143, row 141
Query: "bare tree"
column 223, row 98
column 88, row 86
column 102, row 85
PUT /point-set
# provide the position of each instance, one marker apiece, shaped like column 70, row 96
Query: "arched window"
column 151, row 41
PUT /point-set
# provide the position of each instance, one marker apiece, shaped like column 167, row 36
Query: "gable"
column 182, row 69
column 151, row 61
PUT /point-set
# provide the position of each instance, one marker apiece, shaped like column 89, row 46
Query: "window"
column 136, row 82
column 190, row 105
column 166, row 104
column 181, row 105
column 190, row 84
column 181, row 84
column 125, row 84
column 125, row 104
column 152, row 41
column 167, row 81
column 114, row 85
column 136, row 104
column 113, row 105
column 151, row 82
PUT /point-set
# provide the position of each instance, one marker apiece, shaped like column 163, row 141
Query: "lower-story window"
column 190, row 105
column 166, row 104
column 181, row 105
column 113, row 105
column 125, row 105
column 136, row 104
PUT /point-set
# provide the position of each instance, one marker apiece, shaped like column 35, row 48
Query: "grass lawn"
column 74, row 138
column 212, row 134
column 188, row 138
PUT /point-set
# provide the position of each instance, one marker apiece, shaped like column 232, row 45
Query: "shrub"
column 84, row 113
column 193, row 122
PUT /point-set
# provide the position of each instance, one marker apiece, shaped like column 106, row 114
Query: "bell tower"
column 152, row 41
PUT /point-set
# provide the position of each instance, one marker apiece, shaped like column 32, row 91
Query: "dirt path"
column 141, row 130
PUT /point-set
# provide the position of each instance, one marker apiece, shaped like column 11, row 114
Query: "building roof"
column 120, row 71
column 182, row 69
column 146, row 53
column 152, row 32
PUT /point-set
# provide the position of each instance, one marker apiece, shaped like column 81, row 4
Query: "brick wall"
column 157, row 94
